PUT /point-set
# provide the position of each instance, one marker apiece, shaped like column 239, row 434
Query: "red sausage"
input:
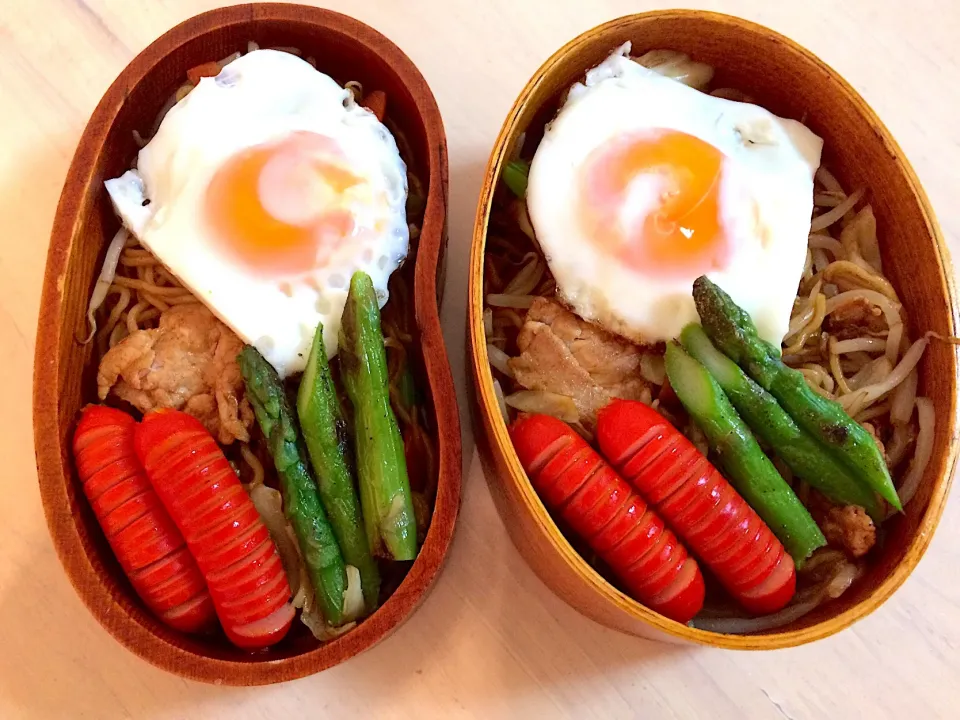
column 145, row 540
column 221, row 525
column 697, row 502
column 575, row 481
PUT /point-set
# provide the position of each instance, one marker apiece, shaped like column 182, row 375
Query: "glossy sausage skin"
column 221, row 525
column 698, row 503
column 578, row 484
column 150, row 548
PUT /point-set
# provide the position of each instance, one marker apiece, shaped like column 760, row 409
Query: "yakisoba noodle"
column 140, row 291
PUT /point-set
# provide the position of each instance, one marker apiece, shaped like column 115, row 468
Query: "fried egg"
column 263, row 191
column 641, row 184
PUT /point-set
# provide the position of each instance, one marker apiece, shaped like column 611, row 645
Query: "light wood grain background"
column 491, row 641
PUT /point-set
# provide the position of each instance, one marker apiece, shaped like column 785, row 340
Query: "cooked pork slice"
column 545, row 363
column 563, row 354
column 188, row 363
column 610, row 360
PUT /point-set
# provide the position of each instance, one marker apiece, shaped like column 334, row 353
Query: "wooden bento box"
column 793, row 83
column 64, row 372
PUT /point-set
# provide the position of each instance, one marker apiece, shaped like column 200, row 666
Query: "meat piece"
column 188, row 363
column 855, row 319
column 610, row 360
column 563, row 354
column 848, row 527
column 545, row 363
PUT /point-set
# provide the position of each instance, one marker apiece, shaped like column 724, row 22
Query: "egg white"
column 767, row 158
column 264, row 96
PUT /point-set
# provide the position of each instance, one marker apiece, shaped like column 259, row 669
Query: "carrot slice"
column 207, row 69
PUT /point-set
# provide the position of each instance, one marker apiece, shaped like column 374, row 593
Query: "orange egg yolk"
column 678, row 231
column 282, row 206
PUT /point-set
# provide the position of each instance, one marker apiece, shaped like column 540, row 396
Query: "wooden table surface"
column 491, row 641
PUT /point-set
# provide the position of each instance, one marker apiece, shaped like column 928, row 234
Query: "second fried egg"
column 642, row 184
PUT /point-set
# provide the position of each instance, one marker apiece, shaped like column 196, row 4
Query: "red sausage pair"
column 150, row 484
column 574, row 480
column 683, row 487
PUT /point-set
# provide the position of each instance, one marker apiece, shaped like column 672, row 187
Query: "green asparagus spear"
column 734, row 334
column 381, row 467
column 742, row 460
column 301, row 501
column 325, row 434
column 515, row 175
column 771, row 423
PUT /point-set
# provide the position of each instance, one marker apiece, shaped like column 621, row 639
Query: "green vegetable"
column 734, row 334
column 771, row 423
column 408, row 388
column 381, row 467
column 325, row 434
column 742, row 460
column 301, row 501
column 515, row 175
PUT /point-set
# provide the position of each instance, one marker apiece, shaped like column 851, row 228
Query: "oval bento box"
column 64, row 378
column 793, row 83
